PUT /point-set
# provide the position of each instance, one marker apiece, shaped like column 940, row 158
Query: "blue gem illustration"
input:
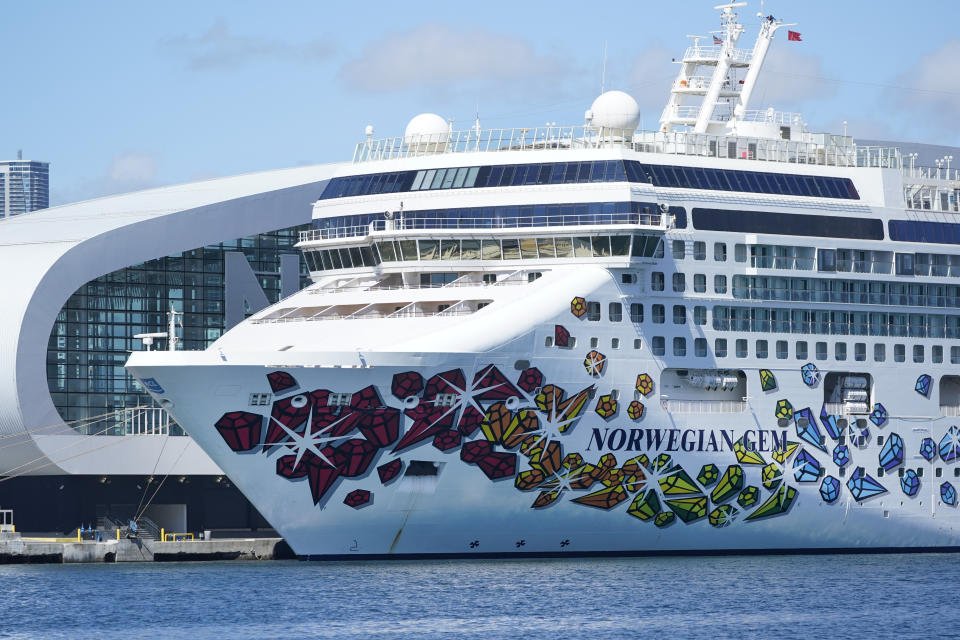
column 807, row 429
column 948, row 494
column 923, row 385
column 806, row 468
column 891, row 455
column 950, row 444
column 910, row 483
column 863, row 486
column 830, row 489
column 810, row 374
column 841, row 455
column 927, row 449
column 879, row 415
column 829, row 423
column 858, row 437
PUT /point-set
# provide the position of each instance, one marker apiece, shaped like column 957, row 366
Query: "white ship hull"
column 602, row 340
column 494, row 507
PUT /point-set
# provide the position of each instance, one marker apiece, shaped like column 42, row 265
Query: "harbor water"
column 885, row 596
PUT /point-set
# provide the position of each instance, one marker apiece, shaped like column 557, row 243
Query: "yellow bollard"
column 163, row 538
column 78, row 534
column 118, row 533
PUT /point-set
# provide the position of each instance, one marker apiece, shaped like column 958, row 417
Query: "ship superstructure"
column 729, row 333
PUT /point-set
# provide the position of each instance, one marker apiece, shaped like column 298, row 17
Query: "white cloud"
column 790, row 78
column 219, row 48
column 932, row 84
column 130, row 171
column 439, row 57
column 650, row 77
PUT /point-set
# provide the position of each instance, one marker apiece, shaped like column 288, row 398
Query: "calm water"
column 868, row 596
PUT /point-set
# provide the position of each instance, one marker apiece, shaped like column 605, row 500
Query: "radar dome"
column 427, row 132
column 616, row 110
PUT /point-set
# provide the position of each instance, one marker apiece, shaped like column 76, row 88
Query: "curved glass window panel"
column 448, row 178
column 460, row 177
column 546, row 248
column 438, row 178
column 345, row 259
column 428, row 179
column 470, row 250
column 408, row 249
column 366, row 254
column 417, row 181
column 601, row 246
column 564, row 247
column 449, row 249
column 387, row 253
column 490, row 250
column 511, row 250
column 429, row 249
column 528, row 248
column 356, row 257
column 471, row 178
column 582, row 247
column 327, row 263
column 620, row 245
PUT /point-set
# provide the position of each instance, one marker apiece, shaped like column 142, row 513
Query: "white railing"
column 704, row 406
column 713, row 53
column 697, row 83
column 411, row 222
column 146, row 421
column 833, row 151
column 769, row 115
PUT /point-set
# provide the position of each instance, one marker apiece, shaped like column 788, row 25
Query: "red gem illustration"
column 240, row 429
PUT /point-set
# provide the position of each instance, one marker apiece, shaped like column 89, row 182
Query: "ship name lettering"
column 688, row 440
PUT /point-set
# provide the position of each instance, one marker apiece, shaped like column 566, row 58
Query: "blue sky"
column 121, row 96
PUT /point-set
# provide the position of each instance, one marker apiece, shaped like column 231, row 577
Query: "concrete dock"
column 15, row 549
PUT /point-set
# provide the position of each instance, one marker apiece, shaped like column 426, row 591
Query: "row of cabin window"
column 857, row 323
column 657, row 313
column 678, row 282
column 637, row 245
column 754, row 319
column 846, row 291
column 761, row 350
column 591, row 171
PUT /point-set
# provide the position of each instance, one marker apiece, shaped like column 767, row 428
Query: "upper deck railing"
column 831, row 150
column 712, row 52
column 412, row 222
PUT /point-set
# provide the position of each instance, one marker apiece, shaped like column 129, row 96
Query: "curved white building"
column 56, row 382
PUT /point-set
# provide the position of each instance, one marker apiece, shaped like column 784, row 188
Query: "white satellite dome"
column 615, row 110
column 427, row 132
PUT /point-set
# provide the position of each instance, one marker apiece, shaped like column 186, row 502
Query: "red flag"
column 717, row 40
column 794, row 35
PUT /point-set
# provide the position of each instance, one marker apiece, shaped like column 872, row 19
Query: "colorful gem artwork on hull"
column 521, row 429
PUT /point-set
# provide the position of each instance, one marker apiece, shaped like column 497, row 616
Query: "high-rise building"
column 24, row 186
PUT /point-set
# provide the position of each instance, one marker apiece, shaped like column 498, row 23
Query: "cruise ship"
column 728, row 334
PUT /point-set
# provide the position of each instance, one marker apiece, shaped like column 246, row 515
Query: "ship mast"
column 760, row 48
column 731, row 32
column 722, row 89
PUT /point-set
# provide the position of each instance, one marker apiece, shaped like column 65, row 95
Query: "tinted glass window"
column 787, row 224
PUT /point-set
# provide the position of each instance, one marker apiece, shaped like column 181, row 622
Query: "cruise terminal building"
column 80, row 441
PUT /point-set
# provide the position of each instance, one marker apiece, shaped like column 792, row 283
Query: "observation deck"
column 473, row 225
column 824, row 149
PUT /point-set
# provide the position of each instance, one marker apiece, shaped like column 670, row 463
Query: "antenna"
column 603, row 70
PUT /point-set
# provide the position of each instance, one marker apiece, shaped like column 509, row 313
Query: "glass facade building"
column 94, row 331
column 24, row 186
